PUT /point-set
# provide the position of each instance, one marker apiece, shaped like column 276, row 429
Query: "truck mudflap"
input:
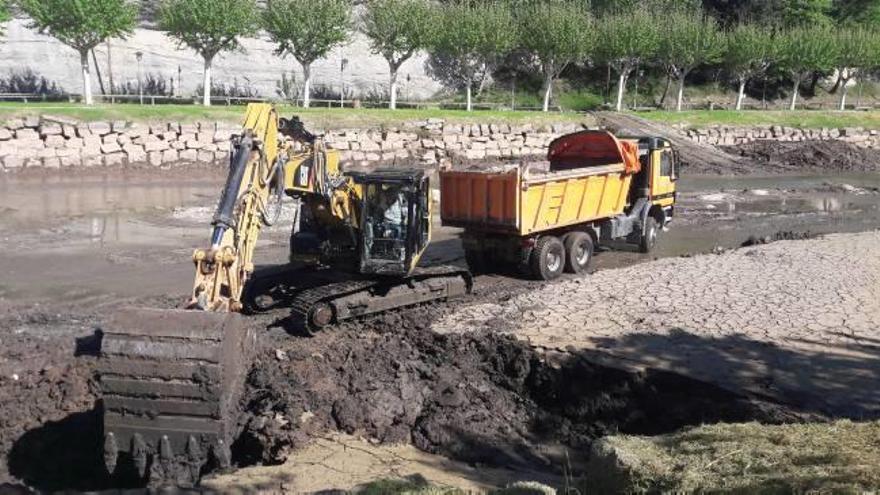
column 170, row 381
column 331, row 303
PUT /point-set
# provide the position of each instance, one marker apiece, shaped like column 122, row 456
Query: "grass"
column 808, row 119
column 839, row 457
column 317, row 118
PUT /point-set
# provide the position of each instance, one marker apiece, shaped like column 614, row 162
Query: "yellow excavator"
column 171, row 379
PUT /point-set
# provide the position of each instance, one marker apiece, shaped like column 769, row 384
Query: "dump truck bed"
column 580, row 185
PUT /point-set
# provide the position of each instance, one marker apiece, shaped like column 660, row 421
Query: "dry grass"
column 840, row 457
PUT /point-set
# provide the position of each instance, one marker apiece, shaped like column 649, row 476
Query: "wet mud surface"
column 484, row 398
column 801, row 156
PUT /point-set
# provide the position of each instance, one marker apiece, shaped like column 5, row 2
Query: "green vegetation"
column 556, row 34
column 307, row 30
column 317, row 118
column 624, row 40
column 803, row 51
column 470, row 38
column 748, row 54
column 690, row 39
column 840, row 457
column 397, row 29
column 82, row 25
column 4, row 14
column 208, row 27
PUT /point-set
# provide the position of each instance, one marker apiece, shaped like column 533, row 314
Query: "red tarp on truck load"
column 592, row 148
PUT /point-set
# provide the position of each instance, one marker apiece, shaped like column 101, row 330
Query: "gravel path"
column 798, row 321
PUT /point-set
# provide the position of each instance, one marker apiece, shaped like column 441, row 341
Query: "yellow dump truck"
column 547, row 217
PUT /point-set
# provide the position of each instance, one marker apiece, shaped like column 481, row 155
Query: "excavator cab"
column 395, row 220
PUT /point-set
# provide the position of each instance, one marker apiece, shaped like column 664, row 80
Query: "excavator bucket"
column 170, row 382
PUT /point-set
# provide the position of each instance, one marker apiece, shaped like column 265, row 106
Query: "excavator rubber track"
column 335, row 302
column 170, row 383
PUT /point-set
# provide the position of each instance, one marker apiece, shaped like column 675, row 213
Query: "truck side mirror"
column 673, row 176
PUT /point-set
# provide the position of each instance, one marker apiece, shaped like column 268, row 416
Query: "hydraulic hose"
column 224, row 216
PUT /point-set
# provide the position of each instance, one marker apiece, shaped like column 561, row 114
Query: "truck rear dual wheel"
column 548, row 258
column 649, row 238
column 578, row 252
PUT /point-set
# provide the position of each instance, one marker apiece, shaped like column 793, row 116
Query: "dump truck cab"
column 657, row 178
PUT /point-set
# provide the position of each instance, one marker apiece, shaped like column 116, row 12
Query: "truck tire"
column 649, row 238
column 476, row 261
column 548, row 258
column 578, row 252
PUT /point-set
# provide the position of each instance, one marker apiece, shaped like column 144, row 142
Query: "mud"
column 480, row 398
column 806, row 156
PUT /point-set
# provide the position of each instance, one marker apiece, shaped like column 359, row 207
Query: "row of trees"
column 467, row 39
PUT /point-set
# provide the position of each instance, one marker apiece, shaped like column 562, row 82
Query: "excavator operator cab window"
column 386, row 221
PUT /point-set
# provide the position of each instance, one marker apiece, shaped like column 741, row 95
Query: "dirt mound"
column 484, row 398
column 837, row 156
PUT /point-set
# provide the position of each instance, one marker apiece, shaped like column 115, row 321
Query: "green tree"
column 805, row 50
column 857, row 49
column 208, row 27
column 555, row 34
column 749, row 51
column 397, row 29
column 82, row 25
column 4, row 13
column 858, row 11
column 624, row 40
column 307, row 30
column 470, row 38
column 688, row 39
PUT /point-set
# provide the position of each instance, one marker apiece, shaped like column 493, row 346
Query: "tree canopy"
column 555, row 33
column 208, row 27
column 626, row 39
column 804, row 50
column 689, row 39
column 749, row 51
column 396, row 30
column 307, row 30
column 82, row 25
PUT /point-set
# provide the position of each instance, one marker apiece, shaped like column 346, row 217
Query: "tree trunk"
column 741, row 94
column 206, row 83
column 621, row 89
column 680, row 97
column 393, row 90
column 87, row 77
column 665, row 89
column 470, row 105
column 844, row 87
column 548, row 90
column 307, row 85
column 794, row 93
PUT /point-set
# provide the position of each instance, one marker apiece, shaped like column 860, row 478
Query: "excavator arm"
column 255, row 173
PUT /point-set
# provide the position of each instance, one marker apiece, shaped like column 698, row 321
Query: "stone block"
column 55, row 141
column 92, row 161
column 110, row 138
column 68, row 131
column 74, row 143
column 135, row 153
column 26, row 133
column 170, row 156
column 189, row 128
column 50, row 130
column 44, row 153
column 475, row 154
column 63, row 152
column 178, row 145
column 12, row 161
column 108, row 148
column 14, row 124
column 100, row 128
column 188, row 155
column 152, row 145
column 211, row 147
column 32, row 121
column 5, row 134
column 71, row 161
column 372, row 157
column 33, row 163
column 29, row 144
column 119, row 126
column 205, row 156
column 154, row 158
column 195, row 144
column 112, row 159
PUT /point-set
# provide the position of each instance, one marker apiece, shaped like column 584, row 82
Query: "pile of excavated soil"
column 481, row 398
column 48, row 429
column 837, row 156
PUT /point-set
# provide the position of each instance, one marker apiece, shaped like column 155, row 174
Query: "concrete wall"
column 22, row 48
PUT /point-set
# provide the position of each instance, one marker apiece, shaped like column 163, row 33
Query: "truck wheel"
column 649, row 238
column 548, row 258
column 578, row 252
column 476, row 261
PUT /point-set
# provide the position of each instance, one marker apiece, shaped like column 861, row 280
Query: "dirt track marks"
column 796, row 320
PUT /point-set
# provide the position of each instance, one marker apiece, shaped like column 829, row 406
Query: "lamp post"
column 342, row 65
column 140, row 56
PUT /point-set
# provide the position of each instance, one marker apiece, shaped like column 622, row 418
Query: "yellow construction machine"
column 171, row 379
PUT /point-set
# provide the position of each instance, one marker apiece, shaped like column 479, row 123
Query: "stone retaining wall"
column 55, row 142
column 728, row 136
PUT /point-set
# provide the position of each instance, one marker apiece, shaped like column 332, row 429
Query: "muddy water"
column 127, row 235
